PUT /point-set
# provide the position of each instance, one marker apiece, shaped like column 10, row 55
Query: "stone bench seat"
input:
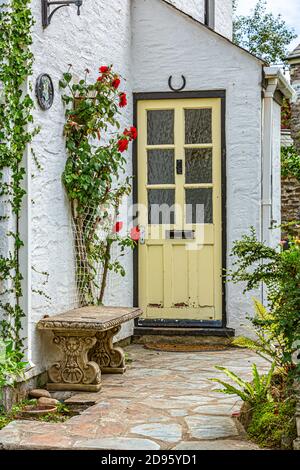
column 85, row 338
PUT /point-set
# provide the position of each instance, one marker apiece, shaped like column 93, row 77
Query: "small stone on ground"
column 43, row 401
column 39, row 393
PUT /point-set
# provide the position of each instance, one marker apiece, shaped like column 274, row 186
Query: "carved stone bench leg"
column 74, row 371
column 110, row 359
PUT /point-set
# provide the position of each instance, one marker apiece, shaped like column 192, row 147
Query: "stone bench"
column 85, row 338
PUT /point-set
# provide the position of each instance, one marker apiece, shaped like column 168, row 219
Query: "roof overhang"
column 275, row 77
column 294, row 57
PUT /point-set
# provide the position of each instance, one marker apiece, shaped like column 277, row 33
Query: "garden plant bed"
column 30, row 410
column 270, row 425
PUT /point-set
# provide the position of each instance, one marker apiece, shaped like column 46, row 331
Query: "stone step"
column 146, row 335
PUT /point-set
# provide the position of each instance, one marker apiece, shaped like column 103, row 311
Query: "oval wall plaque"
column 44, row 91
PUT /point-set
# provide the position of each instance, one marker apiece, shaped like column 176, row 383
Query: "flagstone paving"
column 164, row 401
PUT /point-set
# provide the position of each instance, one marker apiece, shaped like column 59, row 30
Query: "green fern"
column 268, row 343
column 257, row 391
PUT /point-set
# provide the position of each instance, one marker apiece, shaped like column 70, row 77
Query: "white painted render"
column 223, row 13
column 147, row 41
column 223, row 17
column 101, row 35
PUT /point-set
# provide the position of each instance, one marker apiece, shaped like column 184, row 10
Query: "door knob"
column 142, row 235
column 179, row 167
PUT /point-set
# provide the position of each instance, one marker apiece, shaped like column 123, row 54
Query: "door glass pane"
column 198, row 166
column 161, row 168
column 161, row 208
column 160, row 125
column 199, row 206
column 198, row 126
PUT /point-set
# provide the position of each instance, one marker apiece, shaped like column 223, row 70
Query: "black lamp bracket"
column 47, row 14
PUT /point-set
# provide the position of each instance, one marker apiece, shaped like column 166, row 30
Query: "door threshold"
column 140, row 331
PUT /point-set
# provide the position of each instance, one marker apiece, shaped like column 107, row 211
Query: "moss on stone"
column 273, row 422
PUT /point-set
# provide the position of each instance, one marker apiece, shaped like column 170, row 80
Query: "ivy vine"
column 16, row 105
column 290, row 162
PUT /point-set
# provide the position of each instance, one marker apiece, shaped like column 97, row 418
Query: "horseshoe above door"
column 177, row 89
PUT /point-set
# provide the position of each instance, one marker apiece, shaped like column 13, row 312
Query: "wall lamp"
column 47, row 13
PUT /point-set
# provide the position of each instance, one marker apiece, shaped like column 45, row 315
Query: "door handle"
column 179, row 167
column 142, row 235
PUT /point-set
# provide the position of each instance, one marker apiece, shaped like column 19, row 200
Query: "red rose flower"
column 118, row 227
column 116, row 83
column 135, row 234
column 131, row 133
column 123, row 100
column 134, row 133
column 123, row 145
column 104, row 69
column 100, row 79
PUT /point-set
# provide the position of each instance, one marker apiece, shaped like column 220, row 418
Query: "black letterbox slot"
column 180, row 235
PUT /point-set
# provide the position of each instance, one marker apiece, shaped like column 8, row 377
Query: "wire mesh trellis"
column 91, row 228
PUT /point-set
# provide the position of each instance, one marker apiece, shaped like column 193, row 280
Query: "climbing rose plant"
column 92, row 177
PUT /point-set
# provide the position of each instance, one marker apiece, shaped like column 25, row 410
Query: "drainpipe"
column 267, row 158
column 275, row 81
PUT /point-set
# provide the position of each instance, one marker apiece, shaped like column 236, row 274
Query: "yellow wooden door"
column 180, row 209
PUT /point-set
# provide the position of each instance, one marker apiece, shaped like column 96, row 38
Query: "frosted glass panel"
column 160, row 126
column 160, row 206
column 198, row 166
column 198, row 126
column 199, row 206
column 161, row 169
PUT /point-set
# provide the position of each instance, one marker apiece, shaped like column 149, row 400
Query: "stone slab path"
column 164, row 401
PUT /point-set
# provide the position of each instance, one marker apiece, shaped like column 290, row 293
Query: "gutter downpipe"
column 267, row 158
column 275, row 80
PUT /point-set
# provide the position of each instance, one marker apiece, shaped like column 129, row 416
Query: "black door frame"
column 183, row 95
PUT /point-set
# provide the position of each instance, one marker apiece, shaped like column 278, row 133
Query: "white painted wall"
column 194, row 8
column 209, row 62
column 101, row 35
column 223, row 13
column 223, row 18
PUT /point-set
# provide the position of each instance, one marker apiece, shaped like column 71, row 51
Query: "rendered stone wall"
column 291, row 186
column 290, row 199
column 101, row 35
column 223, row 13
column 223, row 20
column 295, row 119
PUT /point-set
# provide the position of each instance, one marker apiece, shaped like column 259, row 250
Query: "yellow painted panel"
column 193, row 274
column 155, row 257
column 206, row 276
column 180, row 276
column 206, row 313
